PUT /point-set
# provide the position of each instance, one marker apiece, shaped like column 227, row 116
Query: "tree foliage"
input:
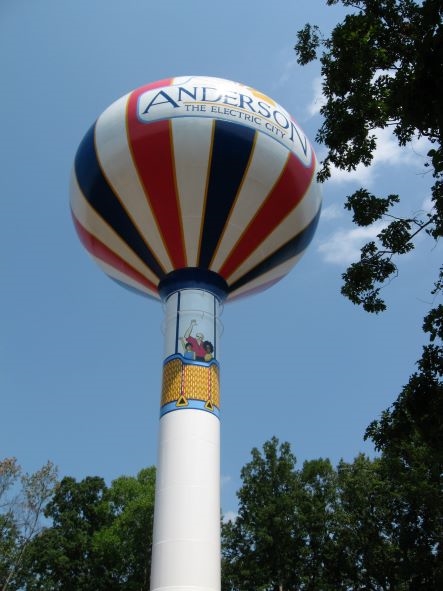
column 63, row 556
column 23, row 498
column 99, row 539
column 410, row 437
column 370, row 524
column 125, row 544
column 382, row 67
column 262, row 549
column 70, row 535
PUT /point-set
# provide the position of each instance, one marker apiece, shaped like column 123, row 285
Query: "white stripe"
column 267, row 163
column 96, row 226
column 115, row 159
column 192, row 140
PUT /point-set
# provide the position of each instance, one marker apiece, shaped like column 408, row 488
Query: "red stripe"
column 283, row 198
column 152, row 153
column 105, row 254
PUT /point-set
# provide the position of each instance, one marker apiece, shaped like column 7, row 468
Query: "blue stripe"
column 289, row 250
column 231, row 151
column 100, row 196
column 192, row 404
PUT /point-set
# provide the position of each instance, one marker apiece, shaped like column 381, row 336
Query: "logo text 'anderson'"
column 209, row 101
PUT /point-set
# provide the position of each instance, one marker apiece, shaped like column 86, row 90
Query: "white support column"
column 186, row 540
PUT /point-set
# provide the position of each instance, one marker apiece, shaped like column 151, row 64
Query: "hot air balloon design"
column 193, row 191
column 200, row 174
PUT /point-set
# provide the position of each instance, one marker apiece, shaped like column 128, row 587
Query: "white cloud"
column 361, row 175
column 331, row 212
column 343, row 246
column 387, row 153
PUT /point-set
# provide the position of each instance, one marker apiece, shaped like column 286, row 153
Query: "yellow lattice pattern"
column 195, row 382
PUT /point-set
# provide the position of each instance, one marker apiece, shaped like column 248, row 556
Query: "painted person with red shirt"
column 195, row 342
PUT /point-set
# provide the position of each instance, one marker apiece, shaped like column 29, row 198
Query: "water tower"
column 193, row 191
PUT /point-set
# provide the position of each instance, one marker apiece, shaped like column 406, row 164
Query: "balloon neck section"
column 193, row 278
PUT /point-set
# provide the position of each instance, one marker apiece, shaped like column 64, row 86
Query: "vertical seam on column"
column 215, row 327
column 177, row 322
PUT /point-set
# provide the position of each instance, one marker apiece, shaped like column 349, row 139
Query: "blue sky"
column 81, row 358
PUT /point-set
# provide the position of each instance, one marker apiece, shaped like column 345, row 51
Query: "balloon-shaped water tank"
column 195, row 173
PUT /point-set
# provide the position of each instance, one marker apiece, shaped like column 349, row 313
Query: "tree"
column 318, row 508
column 21, row 514
column 410, row 437
column 262, row 549
column 99, row 539
column 63, row 556
column 126, row 543
column 373, row 524
column 306, row 529
column 365, row 536
column 314, row 528
column 382, row 67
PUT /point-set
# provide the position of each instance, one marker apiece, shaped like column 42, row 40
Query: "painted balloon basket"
column 193, row 191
